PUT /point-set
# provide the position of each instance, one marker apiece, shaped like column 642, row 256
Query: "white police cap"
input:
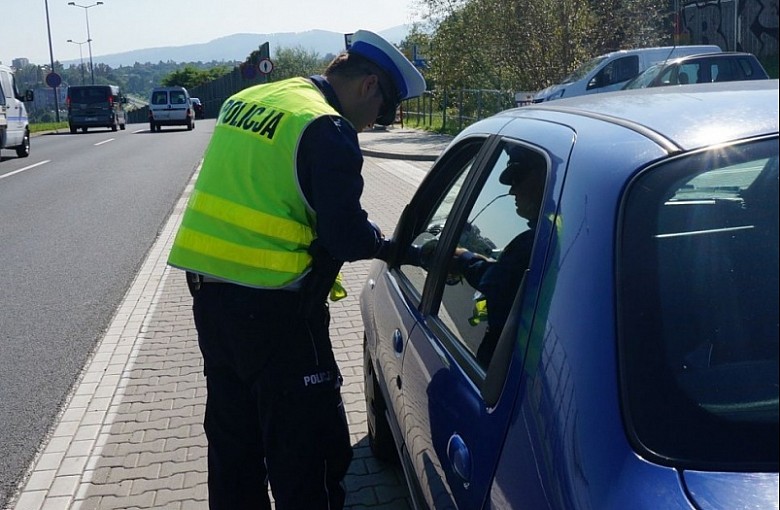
column 407, row 79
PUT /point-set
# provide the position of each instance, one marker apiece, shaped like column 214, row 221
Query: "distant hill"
column 239, row 46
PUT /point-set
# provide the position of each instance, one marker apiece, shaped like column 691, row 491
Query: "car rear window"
column 698, row 294
column 160, row 97
column 88, row 94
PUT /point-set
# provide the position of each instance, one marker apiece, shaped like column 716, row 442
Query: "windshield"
column 584, row 69
column 699, row 292
column 644, row 79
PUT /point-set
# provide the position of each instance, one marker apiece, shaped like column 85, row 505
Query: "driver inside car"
column 497, row 280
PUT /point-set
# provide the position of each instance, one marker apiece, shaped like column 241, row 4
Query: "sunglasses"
column 387, row 99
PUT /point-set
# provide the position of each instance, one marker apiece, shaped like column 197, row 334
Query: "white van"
column 14, row 124
column 170, row 106
column 611, row 71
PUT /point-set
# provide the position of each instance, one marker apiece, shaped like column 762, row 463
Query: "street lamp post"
column 81, row 57
column 51, row 57
column 89, row 37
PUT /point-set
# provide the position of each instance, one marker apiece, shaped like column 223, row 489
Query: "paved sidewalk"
column 131, row 436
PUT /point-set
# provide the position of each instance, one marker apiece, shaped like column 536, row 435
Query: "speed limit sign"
column 265, row 66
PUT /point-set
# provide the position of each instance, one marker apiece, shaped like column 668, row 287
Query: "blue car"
column 582, row 308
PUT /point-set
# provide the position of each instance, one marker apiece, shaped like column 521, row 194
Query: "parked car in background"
column 710, row 67
column 198, row 107
column 14, row 122
column 95, row 106
column 635, row 362
column 611, row 71
column 170, row 106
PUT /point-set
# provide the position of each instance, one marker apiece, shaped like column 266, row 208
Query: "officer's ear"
column 370, row 86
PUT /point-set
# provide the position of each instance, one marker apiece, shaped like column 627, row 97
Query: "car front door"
column 457, row 400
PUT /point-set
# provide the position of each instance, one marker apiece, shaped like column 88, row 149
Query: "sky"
column 125, row 25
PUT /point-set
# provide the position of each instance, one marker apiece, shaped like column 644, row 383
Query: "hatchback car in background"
column 634, row 355
column 705, row 68
column 170, row 106
column 197, row 106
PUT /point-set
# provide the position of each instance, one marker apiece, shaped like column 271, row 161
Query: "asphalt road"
column 76, row 220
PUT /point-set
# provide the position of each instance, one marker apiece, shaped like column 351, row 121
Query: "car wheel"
column 114, row 127
column 151, row 127
column 24, row 150
column 190, row 125
column 84, row 129
column 73, row 130
column 380, row 438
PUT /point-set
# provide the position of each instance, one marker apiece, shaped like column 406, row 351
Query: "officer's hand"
column 378, row 230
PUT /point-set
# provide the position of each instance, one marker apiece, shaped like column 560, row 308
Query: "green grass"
column 47, row 126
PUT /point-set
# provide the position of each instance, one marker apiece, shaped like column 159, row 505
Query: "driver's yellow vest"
column 247, row 221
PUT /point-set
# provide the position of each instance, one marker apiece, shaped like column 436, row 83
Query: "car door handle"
column 460, row 458
column 398, row 341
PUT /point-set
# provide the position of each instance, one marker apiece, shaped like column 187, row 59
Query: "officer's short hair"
column 353, row 65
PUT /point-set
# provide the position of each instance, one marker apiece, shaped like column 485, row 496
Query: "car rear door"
column 456, row 405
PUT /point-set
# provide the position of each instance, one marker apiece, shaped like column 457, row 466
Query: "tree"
column 189, row 77
column 529, row 44
column 297, row 61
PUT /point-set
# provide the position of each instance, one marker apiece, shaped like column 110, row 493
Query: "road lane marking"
column 105, row 141
column 9, row 174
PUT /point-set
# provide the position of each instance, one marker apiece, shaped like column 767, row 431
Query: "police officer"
column 274, row 213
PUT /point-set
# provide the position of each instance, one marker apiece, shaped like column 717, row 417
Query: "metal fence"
column 452, row 110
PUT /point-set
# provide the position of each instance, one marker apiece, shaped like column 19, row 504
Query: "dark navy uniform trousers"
column 274, row 412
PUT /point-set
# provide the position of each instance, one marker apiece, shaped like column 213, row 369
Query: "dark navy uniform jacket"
column 329, row 170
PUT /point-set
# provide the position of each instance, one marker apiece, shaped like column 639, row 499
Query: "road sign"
column 53, row 80
column 265, row 66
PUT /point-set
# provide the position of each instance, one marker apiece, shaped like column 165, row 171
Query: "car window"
column 617, row 71
column 699, row 297
column 745, row 67
column 178, row 97
column 160, row 97
column 427, row 240
column 493, row 251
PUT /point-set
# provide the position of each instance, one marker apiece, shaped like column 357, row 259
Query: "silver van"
column 170, row 106
column 611, row 71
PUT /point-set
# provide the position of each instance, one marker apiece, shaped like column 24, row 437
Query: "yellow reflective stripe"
column 286, row 262
column 250, row 219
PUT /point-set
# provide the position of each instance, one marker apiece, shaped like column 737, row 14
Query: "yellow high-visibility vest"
column 247, row 221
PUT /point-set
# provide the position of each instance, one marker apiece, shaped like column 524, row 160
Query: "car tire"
column 380, row 437
column 151, row 127
column 190, row 125
column 84, row 129
column 24, row 150
column 114, row 127
column 73, row 130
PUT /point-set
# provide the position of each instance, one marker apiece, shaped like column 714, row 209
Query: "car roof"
column 707, row 56
column 676, row 118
